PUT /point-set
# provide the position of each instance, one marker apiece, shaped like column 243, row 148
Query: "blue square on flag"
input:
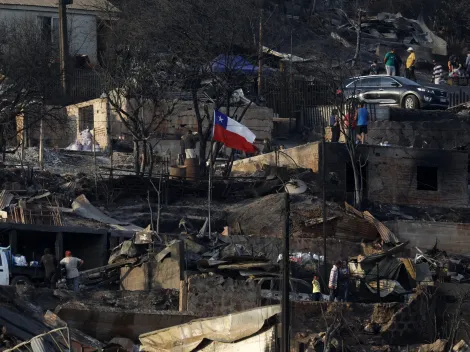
column 220, row 119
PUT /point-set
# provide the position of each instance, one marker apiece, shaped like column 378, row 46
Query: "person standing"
column 334, row 125
column 316, row 292
column 398, row 63
column 343, row 282
column 374, row 68
column 190, row 141
column 362, row 122
column 410, row 64
column 389, row 62
column 181, row 155
column 267, row 148
column 48, row 261
column 467, row 66
column 350, row 123
column 333, row 281
column 71, row 266
column 437, row 72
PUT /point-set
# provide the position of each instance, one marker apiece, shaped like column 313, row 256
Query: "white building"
column 84, row 18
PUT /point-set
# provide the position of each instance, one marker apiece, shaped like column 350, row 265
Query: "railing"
column 54, row 340
column 459, row 97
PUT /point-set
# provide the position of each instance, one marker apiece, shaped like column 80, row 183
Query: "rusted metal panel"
column 353, row 228
column 387, row 235
column 5, row 199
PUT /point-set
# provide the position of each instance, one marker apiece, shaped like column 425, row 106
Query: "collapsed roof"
column 392, row 29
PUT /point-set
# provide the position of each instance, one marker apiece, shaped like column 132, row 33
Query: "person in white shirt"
column 71, row 266
column 437, row 73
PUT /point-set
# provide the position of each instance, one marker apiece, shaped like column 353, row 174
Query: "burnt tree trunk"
column 136, row 156
column 358, row 38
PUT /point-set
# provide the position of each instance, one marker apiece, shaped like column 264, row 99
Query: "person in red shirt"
column 350, row 123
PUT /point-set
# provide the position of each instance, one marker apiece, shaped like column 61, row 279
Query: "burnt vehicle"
column 393, row 91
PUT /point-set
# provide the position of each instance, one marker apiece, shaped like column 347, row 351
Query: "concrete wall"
column 258, row 119
column 154, row 274
column 306, row 156
column 451, row 237
column 100, row 114
column 82, row 26
column 391, row 172
column 213, row 295
column 151, row 275
column 106, row 323
column 438, row 132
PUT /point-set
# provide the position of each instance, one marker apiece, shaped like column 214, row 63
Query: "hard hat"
column 410, row 49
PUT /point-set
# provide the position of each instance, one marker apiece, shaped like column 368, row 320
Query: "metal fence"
column 459, row 97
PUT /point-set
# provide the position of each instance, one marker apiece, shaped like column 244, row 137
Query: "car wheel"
column 20, row 281
column 411, row 102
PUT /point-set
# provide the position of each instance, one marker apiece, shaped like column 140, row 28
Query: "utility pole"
column 41, row 143
column 285, row 316
column 260, row 55
column 63, row 45
column 323, row 174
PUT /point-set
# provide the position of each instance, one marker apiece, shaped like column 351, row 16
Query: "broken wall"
column 305, row 156
column 214, row 295
column 393, row 174
column 438, row 133
column 106, row 323
column 157, row 272
column 451, row 237
column 58, row 130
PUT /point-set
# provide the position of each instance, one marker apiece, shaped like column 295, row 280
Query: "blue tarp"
column 234, row 63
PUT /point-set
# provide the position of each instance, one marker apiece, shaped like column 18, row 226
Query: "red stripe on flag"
column 232, row 140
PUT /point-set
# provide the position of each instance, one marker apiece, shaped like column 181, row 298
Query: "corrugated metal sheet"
column 387, row 235
column 225, row 329
column 5, row 199
column 353, row 228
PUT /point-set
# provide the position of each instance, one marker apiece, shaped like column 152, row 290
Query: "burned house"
column 391, row 175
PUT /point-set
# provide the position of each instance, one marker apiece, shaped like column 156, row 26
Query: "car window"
column 406, row 81
column 387, row 82
column 351, row 83
column 369, row 82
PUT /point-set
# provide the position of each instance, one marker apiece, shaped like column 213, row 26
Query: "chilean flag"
column 233, row 134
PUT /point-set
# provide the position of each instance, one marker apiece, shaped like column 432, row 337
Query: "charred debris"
column 151, row 260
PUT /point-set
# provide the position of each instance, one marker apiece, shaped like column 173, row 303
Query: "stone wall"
column 413, row 322
column 214, row 295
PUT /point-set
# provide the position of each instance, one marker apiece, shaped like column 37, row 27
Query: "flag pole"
column 209, row 192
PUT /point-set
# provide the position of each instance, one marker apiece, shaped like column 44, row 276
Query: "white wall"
column 82, row 26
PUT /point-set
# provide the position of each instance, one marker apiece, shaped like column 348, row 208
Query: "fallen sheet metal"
column 409, row 266
column 81, row 206
column 5, row 199
column 225, row 329
column 387, row 235
column 379, row 256
column 263, row 341
column 386, row 287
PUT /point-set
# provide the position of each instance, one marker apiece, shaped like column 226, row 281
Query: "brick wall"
column 213, row 295
column 392, row 176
